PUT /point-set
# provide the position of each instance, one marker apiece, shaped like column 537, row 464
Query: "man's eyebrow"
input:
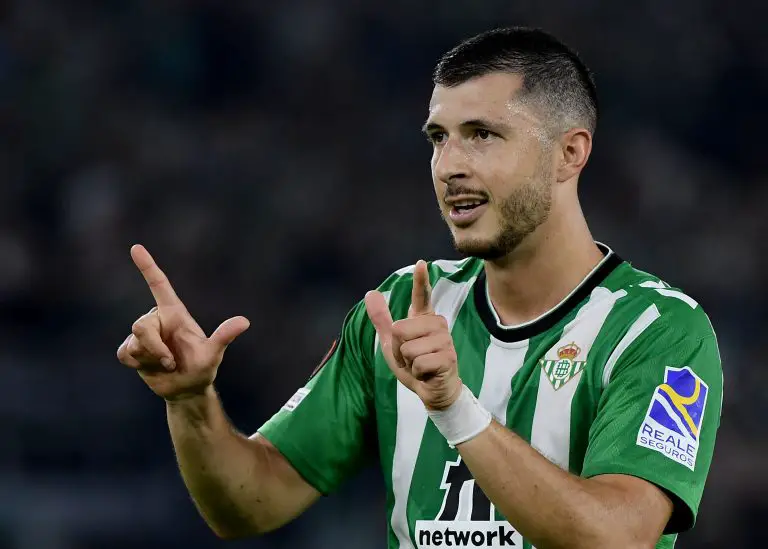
column 498, row 127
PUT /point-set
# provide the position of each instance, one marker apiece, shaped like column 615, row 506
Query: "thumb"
column 229, row 330
column 378, row 311
column 422, row 291
column 381, row 318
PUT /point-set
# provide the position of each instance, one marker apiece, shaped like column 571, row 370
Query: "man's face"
column 491, row 164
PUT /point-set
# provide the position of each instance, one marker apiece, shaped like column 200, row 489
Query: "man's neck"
column 541, row 272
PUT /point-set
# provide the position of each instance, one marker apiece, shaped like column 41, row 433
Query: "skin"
column 537, row 248
column 241, row 486
column 489, row 142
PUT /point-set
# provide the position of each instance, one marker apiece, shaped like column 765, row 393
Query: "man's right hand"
column 167, row 347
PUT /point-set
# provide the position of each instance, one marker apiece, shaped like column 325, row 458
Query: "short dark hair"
column 553, row 74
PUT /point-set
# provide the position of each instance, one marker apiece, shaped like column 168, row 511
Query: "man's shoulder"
column 647, row 294
column 653, row 322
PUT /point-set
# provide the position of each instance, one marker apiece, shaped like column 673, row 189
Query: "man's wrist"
column 449, row 400
column 463, row 420
column 193, row 406
column 202, row 394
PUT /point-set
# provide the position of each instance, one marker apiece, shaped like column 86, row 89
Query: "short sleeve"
column 325, row 428
column 659, row 413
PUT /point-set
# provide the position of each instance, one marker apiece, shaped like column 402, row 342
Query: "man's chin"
column 480, row 249
column 489, row 249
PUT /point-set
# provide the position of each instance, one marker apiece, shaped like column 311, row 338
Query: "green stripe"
column 471, row 343
column 587, row 396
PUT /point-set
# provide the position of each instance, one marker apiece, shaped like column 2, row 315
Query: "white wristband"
column 463, row 420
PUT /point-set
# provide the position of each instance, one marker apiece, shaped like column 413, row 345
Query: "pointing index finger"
column 421, row 293
column 158, row 283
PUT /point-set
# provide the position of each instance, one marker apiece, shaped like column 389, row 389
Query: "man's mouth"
column 468, row 204
column 465, row 210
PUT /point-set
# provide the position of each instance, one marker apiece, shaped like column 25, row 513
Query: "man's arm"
column 649, row 451
column 241, row 486
column 549, row 506
column 250, row 485
column 653, row 428
column 553, row 508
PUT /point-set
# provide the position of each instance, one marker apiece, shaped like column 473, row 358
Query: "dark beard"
column 522, row 212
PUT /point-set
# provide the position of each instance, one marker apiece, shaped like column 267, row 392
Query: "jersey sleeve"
column 324, row 429
column 660, row 410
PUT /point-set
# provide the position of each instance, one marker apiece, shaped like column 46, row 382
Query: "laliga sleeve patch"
column 296, row 399
column 326, row 358
column 672, row 424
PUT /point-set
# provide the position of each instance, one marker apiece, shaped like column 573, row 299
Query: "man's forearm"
column 550, row 507
column 226, row 474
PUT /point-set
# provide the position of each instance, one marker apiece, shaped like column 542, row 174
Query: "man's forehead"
column 493, row 95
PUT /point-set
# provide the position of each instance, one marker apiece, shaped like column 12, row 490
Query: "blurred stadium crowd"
column 268, row 154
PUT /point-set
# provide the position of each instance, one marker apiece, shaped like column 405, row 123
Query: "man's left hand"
column 419, row 349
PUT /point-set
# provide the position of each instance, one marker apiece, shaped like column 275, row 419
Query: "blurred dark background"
column 269, row 155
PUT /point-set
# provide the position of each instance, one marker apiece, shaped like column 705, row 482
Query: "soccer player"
column 541, row 392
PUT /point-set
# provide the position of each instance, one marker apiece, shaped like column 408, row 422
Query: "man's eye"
column 437, row 137
column 482, row 134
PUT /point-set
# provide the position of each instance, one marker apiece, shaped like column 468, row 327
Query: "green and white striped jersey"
column 623, row 377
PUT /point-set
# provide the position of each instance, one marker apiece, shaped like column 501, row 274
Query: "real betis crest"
column 561, row 370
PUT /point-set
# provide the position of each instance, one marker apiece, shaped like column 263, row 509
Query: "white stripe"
column 411, row 421
column 464, row 512
column 502, row 362
column 447, row 299
column 448, row 266
column 648, row 317
column 449, row 296
column 666, row 291
column 551, row 430
column 657, row 284
column 681, row 296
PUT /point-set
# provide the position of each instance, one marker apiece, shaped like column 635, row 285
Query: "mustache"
column 456, row 190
